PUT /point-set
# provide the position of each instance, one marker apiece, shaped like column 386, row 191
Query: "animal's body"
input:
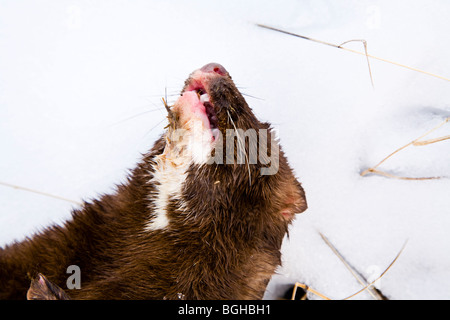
column 180, row 226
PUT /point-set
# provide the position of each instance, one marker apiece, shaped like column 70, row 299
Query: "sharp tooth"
column 215, row 133
column 204, row 98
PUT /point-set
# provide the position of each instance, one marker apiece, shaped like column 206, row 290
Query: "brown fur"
column 226, row 246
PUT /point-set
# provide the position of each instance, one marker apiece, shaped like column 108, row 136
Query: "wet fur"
column 222, row 242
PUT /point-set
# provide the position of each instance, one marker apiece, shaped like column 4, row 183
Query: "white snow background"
column 81, row 84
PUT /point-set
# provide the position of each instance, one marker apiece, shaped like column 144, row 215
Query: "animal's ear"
column 295, row 200
column 300, row 198
column 43, row 289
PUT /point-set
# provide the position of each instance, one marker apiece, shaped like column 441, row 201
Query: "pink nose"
column 214, row 67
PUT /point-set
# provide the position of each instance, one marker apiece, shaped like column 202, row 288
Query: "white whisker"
column 242, row 146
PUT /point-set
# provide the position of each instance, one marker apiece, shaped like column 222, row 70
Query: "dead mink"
column 190, row 221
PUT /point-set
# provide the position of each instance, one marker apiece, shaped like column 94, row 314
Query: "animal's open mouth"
column 209, row 109
column 196, row 102
column 195, row 107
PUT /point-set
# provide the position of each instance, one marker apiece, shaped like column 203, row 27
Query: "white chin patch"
column 200, row 143
column 184, row 147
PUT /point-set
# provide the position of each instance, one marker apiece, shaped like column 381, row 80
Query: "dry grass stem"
column 305, row 287
column 39, row 192
column 367, row 55
column 384, row 272
column 357, row 275
column 366, row 287
column 354, row 51
column 416, row 142
column 393, row 176
column 427, row 142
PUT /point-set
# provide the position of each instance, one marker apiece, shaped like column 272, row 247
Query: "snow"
column 81, row 84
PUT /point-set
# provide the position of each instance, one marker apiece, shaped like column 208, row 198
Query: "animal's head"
column 232, row 165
